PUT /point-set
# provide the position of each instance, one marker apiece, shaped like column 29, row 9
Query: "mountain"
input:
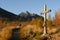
column 28, row 15
column 7, row 14
column 23, row 16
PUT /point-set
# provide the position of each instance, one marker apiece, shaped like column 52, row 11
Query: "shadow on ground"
column 15, row 34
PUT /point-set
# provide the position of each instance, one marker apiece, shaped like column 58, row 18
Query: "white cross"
column 45, row 12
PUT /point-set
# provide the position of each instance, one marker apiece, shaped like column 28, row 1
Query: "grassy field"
column 29, row 30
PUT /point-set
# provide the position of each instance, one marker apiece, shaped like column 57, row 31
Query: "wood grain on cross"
column 45, row 12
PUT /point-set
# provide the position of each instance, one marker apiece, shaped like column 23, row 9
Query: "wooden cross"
column 45, row 12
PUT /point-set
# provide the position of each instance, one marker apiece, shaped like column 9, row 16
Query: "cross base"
column 45, row 37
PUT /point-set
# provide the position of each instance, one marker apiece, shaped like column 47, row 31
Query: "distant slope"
column 6, row 14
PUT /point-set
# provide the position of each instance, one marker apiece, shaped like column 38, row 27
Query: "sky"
column 33, row 6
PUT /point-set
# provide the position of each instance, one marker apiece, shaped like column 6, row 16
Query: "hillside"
column 6, row 14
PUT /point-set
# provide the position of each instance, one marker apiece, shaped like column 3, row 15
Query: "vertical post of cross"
column 45, row 27
column 45, row 12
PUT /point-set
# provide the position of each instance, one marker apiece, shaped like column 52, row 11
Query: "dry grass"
column 30, row 31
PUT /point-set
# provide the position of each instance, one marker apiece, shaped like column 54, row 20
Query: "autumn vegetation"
column 30, row 30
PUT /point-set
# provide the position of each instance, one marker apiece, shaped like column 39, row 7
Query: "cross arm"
column 48, row 11
column 41, row 12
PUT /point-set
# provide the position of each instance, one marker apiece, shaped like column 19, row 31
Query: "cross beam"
column 45, row 12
